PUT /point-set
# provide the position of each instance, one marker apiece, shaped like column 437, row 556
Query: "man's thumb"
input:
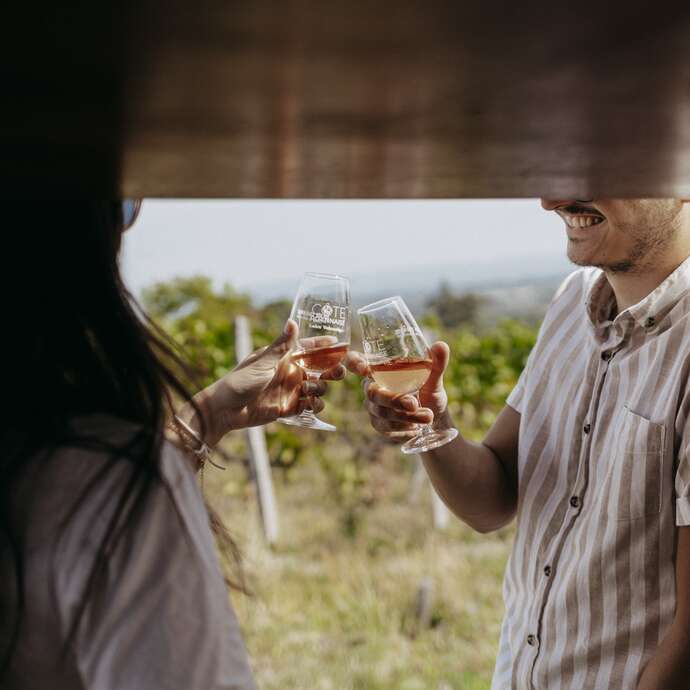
column 440, row 354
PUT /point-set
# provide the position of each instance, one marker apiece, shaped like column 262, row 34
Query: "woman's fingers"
column 337, row 373
column 317, row 341
column 284, row 342
column 315, row 404
column 314, row 388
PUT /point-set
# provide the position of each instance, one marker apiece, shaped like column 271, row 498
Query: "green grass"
column 333, row 605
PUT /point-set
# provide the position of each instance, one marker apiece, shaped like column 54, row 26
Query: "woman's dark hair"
column 76, row 344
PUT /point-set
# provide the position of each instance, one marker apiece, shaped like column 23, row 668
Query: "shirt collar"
column 600, row 301
column 648, row 312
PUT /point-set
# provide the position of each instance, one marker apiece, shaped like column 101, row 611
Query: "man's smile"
column 580, row 220
column 579, row 215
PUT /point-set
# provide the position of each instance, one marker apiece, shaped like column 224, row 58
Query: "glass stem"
column 424, row 429
column 312, row 377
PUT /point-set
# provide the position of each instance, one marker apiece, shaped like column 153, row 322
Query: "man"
column 592, row 454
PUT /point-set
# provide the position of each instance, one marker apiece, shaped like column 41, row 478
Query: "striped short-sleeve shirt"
column 604, row 480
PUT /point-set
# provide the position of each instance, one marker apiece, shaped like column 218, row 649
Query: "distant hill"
column 521, row 288
column 526, row 301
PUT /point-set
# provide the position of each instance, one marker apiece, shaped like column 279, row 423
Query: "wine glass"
column 400, row 361
column 322, row 312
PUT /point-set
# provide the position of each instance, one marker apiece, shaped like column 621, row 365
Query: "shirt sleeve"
column 574, row 281
column 163, row 617
column 517, row 395
column 682, row 480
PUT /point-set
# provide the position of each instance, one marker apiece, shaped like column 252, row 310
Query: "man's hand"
column 263, row 387
column 397, row 416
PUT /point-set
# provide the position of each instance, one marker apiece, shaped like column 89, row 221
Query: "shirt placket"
column 576, row 504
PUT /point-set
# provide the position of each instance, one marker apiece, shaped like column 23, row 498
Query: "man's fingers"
column 421, row 416
column 356, row 363
column 394, row 431
column 440, row 354
column 384, row 398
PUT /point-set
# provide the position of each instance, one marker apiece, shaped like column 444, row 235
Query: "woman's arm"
column 262, row 388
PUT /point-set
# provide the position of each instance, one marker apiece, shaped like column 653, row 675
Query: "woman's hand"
column 396, row 416
column 261, row 388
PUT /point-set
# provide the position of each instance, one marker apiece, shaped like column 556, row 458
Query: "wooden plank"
column 419, row 479
column 349, row 98
column 425, row 604
column 439, row 510
column 258, row 453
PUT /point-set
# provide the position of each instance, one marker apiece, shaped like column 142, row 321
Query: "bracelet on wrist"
column 193, row 442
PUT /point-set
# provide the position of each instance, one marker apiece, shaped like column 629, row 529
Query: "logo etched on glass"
column 327, row 317
column 404, row 331
column 374, row 347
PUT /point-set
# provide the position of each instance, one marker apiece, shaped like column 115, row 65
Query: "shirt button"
column 547, row 570
column 586, row 428
column 650, row 322
column 531, row 640
column 575, row 501
column 606, row 356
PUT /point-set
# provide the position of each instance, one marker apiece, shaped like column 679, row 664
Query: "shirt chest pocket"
column 637, row 473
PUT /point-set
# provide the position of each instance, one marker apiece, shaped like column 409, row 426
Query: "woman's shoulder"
column 83, row 494
column 97, row 441
column 79, row 485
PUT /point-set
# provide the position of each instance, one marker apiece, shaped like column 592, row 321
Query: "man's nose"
column 551, row 204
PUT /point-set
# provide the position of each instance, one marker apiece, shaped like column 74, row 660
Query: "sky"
column 254, row 244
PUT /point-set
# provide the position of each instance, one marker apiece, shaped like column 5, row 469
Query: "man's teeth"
column 582, row 221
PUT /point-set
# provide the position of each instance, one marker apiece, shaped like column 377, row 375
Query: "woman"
column 109, row 577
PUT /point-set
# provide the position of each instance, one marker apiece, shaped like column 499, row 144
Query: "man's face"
column 618, row 235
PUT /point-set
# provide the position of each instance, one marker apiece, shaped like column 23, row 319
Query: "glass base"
column 428, row 441
column 307, row 421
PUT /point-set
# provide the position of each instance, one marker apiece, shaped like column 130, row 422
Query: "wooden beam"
column 349, row 98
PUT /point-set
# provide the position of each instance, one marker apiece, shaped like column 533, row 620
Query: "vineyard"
column 335, row 602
